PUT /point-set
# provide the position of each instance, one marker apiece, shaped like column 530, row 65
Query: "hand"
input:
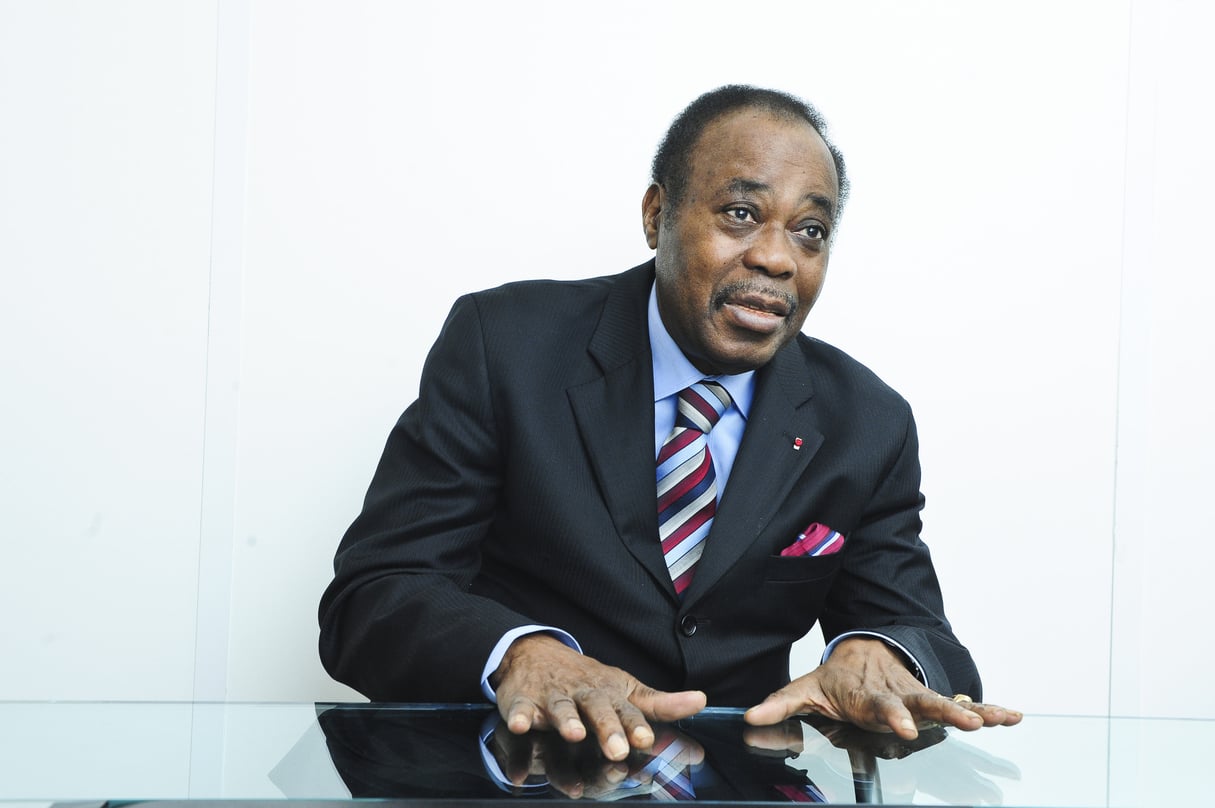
column 543, row 684
column 865, row 683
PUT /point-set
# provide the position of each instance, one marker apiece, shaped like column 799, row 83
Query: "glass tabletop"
column 57, row 752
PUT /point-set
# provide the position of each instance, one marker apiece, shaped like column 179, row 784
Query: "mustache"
column 736, row 289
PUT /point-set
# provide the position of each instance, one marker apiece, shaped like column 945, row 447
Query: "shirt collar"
column 673, row 372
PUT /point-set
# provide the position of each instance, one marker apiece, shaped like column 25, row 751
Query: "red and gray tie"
column 687, row 484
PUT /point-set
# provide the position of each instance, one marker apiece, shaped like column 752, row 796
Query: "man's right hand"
column 544, row 684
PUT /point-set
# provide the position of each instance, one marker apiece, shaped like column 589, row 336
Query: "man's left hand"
column 865, row 683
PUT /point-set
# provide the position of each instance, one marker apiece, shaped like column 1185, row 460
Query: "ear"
column 651, row 213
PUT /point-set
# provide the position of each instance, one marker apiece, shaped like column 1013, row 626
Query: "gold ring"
column 962, row 698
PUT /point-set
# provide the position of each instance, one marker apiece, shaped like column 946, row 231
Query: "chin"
column 741, row 363
column 752, row 357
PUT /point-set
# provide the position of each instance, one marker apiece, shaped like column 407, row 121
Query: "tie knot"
column 701, row 406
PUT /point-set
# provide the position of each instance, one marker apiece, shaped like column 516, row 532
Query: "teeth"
column 765, row 309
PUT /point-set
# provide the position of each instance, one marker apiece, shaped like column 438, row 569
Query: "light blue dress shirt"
column 672, row 373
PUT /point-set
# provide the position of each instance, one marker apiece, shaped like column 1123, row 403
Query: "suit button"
column 687, row 626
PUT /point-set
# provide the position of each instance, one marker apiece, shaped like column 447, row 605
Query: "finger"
column 563, row 717
column 887, row 711
column 994, row 715
column 604, row 719
column 930, row 706
column 637, row 730
column 520, row 715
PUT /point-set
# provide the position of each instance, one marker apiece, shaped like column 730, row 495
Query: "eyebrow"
column 743, row 186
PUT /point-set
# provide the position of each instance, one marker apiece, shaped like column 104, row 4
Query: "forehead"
column 765, row 148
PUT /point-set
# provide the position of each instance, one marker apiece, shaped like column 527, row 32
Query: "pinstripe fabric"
column 687, row 484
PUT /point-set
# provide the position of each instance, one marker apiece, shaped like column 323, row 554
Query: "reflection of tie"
column 687, row 484
column 670, row 770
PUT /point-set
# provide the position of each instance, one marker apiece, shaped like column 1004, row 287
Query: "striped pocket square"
column 815, row 540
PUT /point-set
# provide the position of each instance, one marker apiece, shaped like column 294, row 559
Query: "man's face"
column 743, row 257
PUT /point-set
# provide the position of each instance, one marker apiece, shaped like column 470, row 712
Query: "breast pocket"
column 801, row 569
column 794, row 591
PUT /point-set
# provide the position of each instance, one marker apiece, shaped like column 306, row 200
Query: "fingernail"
column 908, row 725
column 617, row 747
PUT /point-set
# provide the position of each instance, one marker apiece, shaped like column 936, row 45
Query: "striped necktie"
column 687, row 484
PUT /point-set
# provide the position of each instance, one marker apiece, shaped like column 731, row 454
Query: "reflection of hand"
column 778, row 740
column 543, row 684
column 954, row 772
column 933, row 763
column 579, row 770
column 863, row 682
column 885, row 745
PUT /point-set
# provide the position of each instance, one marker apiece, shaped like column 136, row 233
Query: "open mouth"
column 761, row 312
column 761, row 304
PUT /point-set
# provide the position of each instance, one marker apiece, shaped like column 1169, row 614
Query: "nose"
column 770, row 252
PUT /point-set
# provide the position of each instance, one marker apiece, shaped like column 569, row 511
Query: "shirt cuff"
column 495, row 656
column 915, row 663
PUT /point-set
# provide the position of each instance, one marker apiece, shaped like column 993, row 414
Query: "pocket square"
column 815, row 540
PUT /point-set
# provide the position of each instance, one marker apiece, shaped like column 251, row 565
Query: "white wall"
column 105, row 242
column 229, row 232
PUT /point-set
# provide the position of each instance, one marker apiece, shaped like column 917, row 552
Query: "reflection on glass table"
column 55, row 752
column 387, row 752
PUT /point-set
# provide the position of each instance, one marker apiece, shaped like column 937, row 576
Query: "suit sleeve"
column 888, row 584
column 398, row 621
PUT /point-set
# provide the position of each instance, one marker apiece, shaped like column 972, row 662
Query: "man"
column 515, row 517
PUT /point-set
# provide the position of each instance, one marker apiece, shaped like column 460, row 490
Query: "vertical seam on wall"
column 202, row 481
column 217, row 497
column 1118, row 379
column 1134, row 324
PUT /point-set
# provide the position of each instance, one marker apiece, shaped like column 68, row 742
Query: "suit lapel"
column 615, row 417
column 766, row 467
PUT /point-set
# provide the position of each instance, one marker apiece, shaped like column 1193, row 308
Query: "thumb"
column 774, row 709
column 659, row 705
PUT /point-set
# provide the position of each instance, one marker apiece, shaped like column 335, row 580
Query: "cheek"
column 810, row 284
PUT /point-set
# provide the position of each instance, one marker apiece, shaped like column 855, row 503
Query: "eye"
column 741, row 214
column 814, row 231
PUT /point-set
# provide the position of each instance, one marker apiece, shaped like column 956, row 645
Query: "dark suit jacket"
column 519, row 488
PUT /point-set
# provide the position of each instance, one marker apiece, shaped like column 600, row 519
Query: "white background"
column 230, row 230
